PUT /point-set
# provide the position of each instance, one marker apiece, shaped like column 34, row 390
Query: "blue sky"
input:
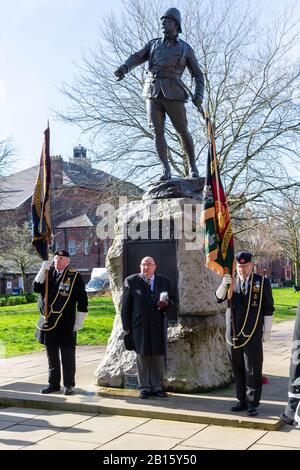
column 39, row 42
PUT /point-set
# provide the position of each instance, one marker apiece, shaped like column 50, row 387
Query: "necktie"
column 243, row 286
column 148, row 282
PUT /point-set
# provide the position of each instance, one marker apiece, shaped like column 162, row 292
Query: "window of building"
column 72, row 247
column 86, row 247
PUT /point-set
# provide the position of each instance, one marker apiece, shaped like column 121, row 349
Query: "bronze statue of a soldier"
column 164, row 91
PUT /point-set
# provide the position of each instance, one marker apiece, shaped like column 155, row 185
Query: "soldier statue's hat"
column 243, row 257
column 174, row 14
column 62, row 253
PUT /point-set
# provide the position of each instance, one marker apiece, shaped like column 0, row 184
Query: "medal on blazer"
column 60, row 301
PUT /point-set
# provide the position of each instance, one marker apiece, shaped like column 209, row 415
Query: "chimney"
column 79, row 156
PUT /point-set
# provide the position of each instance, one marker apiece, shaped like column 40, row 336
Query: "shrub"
column 30, row 298
column 18, row 299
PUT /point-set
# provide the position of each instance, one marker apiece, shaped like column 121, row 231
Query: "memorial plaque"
column 131, row 381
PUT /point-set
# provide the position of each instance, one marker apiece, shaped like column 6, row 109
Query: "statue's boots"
column 193, row 170
column 166, row 175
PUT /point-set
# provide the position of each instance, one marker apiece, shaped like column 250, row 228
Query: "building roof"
column 76, row 222
column 15, row 189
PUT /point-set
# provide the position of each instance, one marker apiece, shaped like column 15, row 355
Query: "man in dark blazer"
column 164, row 90
column 248, row 324
column 146, row 298
column 67, row 309
column 290, row 416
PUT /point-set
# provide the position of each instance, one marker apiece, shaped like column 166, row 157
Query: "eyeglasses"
column 147, row 264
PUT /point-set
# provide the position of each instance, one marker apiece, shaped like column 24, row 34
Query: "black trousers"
column 67, row 354
column 247, row 369
column 294, row 369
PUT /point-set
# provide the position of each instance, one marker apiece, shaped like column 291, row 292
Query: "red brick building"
column 278, row 270
column 78, row 190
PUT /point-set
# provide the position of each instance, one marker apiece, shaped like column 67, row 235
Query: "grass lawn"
column 17, row 326
column 286, row 302
column 17, row 323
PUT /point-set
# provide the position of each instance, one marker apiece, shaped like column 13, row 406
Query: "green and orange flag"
column 215, row 218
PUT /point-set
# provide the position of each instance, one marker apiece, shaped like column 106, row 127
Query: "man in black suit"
column 289, row 415
column 248, row 324
column 146, row 298
column 58, row 332
column 164, row 90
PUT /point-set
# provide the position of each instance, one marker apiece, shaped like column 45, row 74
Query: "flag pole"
column 47, row 154
column 210, row 131
column 46, row 298
column 220, row 219
column 41, row 212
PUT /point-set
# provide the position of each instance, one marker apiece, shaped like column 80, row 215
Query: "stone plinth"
column 197, row 359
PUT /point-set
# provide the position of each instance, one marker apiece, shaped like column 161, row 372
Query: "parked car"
column 99, row 282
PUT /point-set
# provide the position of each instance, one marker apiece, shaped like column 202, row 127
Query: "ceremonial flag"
column 40, row 207
column 215, row 218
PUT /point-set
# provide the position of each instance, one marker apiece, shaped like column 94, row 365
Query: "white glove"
column 223, row 288
column 41, row 275
column 80, row 317
column 267, row 328
column 46, row 264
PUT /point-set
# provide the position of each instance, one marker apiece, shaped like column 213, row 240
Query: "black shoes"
column 286, row 419
column 159, row 393
column 50, row 389
column 252, row 411
column 144, row 394
column 240, row 407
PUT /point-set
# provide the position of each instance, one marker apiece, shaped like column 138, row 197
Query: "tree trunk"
column 24, row 280
column 296, row 272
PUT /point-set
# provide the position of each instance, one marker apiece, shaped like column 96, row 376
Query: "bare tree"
column 252, row 95
column 7, row 150
column 17, row 250
column 256, row 233
column 286, row 214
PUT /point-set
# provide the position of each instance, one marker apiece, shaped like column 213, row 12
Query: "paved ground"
column 119, row 420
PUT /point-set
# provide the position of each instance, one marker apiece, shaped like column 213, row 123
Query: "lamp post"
column 98, row 245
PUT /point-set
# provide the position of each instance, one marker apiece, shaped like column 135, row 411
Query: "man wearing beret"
column 67, row 309
column 248, row 324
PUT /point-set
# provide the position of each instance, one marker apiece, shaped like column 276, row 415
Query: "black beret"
column 62, row 253
column 243, row 257
column 128, row 342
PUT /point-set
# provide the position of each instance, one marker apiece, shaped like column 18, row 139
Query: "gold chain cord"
column 246, row 317
column 61, row 311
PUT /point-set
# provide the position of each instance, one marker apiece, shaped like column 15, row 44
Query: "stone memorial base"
column 197, row 359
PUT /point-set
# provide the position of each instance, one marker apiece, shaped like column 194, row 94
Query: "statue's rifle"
column 199, row 107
